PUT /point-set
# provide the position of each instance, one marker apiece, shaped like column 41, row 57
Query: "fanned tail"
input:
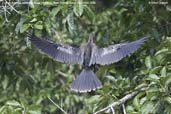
column 86, row 81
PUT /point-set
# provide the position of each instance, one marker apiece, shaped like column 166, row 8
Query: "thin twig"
column 5, row 12
column 113, row 111
column 123, row 106
column 58, row 106
column 12, row 7
column 119, row 102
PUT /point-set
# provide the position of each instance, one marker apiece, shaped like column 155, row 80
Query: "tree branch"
column 12, row 7
column 113, row 111
column 123, row 106
column 119, row 102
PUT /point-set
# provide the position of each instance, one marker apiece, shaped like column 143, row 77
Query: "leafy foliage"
column 28, row 77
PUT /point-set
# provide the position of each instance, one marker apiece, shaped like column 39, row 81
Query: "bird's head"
column 91, row 38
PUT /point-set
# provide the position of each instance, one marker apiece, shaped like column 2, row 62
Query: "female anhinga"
column 87, row 55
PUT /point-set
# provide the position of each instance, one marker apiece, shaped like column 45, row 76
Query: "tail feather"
column 86, row 82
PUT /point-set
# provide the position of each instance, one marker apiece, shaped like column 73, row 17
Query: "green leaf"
column 13, row 103
column 2, row 108
column 37, row 26
column 155, row 69
column 167, row 109
column 147, row 108
column 94, row 99
column 34, row 112
column 112, row 78
column 89, row 13
column 154, row 76
column 168, row 81
column 162, row 51
column 70, row 21
column 131, row 110
column 33, row 20
column 141, row 86
column 136, row 103
column 154, row 79
column 148, row 62
column 78, row 8
column 55, row 11
column 24, row 27
column 153, row 93
column 20, row 24
column 5, row 82
column 163, row 72
column 168, row 99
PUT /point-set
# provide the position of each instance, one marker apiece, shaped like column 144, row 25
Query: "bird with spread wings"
column 86, row 55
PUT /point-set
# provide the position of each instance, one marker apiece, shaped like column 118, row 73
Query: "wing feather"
column 59, row 52
column 115, row 53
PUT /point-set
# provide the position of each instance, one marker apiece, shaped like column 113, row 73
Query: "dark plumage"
column 87, row 55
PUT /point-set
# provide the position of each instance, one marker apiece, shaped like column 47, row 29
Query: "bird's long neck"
column 90, row 40
column 87, row 54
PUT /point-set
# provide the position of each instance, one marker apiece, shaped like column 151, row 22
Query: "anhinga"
column 86, row 55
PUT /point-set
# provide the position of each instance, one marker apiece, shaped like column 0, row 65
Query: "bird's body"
column 86, row 55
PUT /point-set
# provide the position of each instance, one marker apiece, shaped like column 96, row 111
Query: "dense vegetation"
column 30, row 80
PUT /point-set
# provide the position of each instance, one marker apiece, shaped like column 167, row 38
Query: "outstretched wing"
column 114, row 53
column 59, row 52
